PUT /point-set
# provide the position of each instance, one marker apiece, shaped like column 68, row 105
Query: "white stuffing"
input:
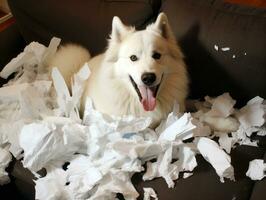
column 42, row 121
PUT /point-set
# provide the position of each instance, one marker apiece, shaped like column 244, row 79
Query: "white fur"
column 69, row 59
column 109, row 85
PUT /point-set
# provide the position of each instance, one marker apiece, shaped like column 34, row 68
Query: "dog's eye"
column 133, row 58
column 156, row 55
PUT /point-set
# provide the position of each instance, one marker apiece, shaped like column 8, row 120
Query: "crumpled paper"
column 221, row 162
column 218, row 117
column 149, row 193
column 102, row 152
column 5, row 158
column 256, row 169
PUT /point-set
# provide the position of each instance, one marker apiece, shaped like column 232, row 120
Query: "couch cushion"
column 201, row 24
column 205, row 183
column 84, row 22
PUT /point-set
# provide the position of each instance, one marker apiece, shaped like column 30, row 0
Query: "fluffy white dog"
column 142, row 73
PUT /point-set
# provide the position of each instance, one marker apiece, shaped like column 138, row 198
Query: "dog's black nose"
column 148, row 78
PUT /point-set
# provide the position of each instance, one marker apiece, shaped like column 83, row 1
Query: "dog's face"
column 143, row 59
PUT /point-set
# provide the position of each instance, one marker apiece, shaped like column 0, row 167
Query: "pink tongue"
column 148, row 100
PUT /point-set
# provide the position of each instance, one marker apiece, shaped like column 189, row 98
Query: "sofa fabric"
column 84, row 22
column 198, row 25
column 201, row 24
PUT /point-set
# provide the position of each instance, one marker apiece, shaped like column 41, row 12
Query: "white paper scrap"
column 52, row 186
column 69, row 105
column 31, row 56
column 50, row 50
column 179, row 130
column 104, row 151
column 12, row 93
column 221, row 124
column 63, row 94
column 256, row 169
column 187, row 174
column 225, row 48
column 222, row 106
column 252, row 114
column 187, row 160
column 221, row 162
column 49, row 143
column 149, row 193
column 82, row 176
column 113, row 183
column 226, row 142
column 14, row 65
column 5, row 158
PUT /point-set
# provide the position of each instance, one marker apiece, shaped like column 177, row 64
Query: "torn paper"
column 216, row 113
column 256, row 169
column 226, row 142
column 225, row 48
column 187, row 174
column 69, row 105
column 82, row 176
column 149, row 194
column 31, row 63
column 173, row 132
column 103, row 152
column 5, row 158
column 115, row 182
column 221, row 124
column 222, row 106
column 187, row 160
column 221, row 162
column 252, row 114
column 41, row 140
column 52, row 186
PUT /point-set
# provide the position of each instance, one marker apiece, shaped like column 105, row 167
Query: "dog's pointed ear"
column 118, row 29
column 163, row 26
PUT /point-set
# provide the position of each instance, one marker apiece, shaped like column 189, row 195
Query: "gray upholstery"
column 198, row 26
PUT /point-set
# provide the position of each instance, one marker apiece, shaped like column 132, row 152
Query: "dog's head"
column 143, row 59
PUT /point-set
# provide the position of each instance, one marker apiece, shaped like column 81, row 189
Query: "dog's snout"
column 148, row 78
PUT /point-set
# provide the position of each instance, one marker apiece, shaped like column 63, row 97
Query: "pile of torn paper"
column 40, row 122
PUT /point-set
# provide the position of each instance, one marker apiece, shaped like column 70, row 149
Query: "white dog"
column 142, row 73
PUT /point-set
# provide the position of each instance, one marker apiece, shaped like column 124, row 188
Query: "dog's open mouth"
column 147, row 95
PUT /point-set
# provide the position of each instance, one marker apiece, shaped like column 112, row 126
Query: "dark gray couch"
column 198, row 26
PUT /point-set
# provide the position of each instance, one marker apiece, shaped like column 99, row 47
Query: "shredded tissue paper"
column 40, row 124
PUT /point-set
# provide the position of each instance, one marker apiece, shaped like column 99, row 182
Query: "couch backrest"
column 79, row 21
column 199, row 25
column 203, row 25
